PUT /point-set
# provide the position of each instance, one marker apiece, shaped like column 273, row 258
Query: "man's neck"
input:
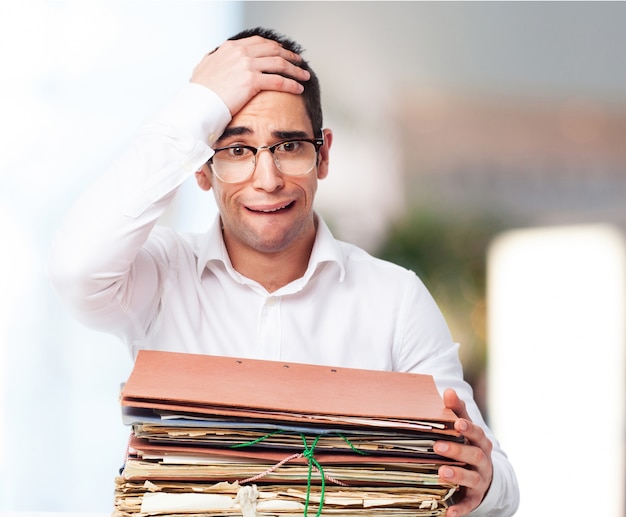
column 275, row 270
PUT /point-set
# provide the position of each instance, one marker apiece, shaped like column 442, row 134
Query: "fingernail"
column 447, row 472
column 463, row 425
column 442, row 447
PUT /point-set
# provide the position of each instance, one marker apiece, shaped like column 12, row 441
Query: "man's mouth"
column 271, row 210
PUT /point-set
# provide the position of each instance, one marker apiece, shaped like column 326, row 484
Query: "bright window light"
column 557, row 366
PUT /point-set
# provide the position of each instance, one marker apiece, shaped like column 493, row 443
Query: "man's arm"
column 99, row 264
column 488, row 480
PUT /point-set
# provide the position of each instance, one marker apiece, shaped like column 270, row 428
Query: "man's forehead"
column 282, row 115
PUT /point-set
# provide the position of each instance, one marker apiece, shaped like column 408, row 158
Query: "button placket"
column 270, row 329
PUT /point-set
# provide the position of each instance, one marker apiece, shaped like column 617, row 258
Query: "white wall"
column 78, row 78
column 557, row 301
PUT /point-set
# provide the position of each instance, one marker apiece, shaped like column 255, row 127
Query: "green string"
column 351, row 445
column 309, row 454
column 254, row 442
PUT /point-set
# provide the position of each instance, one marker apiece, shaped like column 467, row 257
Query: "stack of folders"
column 219, row 436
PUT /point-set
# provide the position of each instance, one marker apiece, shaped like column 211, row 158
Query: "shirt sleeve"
column 428, row 348
column 97, row 264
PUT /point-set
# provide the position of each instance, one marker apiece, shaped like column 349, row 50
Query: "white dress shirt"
column 162, row 290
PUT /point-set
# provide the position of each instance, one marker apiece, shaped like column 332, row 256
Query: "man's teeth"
column 270, row 210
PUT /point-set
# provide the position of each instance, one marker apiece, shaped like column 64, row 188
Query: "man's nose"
column 266, row 174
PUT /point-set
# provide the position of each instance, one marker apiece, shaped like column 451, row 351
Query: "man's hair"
column 311, row 94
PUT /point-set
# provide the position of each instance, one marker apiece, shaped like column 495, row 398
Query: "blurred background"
column 456, row 125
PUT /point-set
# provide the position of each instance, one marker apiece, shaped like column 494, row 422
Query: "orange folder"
column 275, row 390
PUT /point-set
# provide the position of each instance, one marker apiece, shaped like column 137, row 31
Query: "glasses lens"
column 233, row 164
column 293, row 158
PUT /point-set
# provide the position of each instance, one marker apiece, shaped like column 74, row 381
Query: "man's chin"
column 270, row 246
column 275, row 234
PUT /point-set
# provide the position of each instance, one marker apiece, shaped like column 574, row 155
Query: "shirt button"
column 271, row 301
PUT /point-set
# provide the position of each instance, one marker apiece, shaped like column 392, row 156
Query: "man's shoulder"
column 356, row 257
column 352, row 256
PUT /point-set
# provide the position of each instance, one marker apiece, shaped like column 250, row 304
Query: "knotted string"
column 272, row 468
column 309, row 454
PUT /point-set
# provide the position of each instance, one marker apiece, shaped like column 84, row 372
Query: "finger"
column 256, row 46
column 279, row 83
column 462, row 508
column 460, row 476
column 258, row 50
column 452, row 401
column 452, row 450
column 267, row 56
column 476, row 452
column 244, row 66
column 475, row 475
column 477, row 471
column 472, row 492
column 278, row 65
column 464, row 425
column 474, row 470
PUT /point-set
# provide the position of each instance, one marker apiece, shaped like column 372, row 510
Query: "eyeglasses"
column 236, row 163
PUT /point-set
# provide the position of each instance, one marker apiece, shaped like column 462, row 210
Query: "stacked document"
column 220, row 436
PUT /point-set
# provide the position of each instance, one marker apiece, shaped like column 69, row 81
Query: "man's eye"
column 237, row 152
column 288, row 147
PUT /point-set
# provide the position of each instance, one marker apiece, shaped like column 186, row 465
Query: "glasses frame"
column 317, row 142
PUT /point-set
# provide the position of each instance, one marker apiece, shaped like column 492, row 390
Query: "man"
column 268, row 280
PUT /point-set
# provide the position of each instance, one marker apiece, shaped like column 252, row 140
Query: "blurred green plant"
column 449, row 253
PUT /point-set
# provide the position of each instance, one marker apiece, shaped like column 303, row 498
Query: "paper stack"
column 219, row 436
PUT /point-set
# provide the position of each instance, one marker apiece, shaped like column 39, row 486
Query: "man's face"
column 269, row 212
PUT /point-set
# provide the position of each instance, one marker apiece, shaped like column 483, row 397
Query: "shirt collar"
column 326, row 249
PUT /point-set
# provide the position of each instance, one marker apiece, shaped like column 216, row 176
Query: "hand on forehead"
column 240, row 69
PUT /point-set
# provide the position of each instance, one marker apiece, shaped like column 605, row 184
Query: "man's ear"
column 324, row 155
column 203, row 177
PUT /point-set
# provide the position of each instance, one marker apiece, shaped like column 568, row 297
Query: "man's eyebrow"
column 234, row 131
column 290, row 135
column 278, row 135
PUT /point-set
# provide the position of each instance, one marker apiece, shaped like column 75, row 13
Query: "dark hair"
column 311, row 94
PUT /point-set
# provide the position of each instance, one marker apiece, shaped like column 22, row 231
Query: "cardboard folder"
column 314, row 438
column 142, row 448
column 164, row 462
column 249, row 388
